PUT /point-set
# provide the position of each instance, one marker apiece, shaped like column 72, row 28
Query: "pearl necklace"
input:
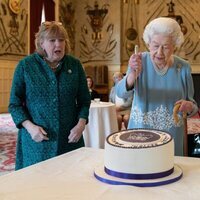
column 52, row 67
column 162, row 71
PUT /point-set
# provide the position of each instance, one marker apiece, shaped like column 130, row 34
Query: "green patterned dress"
column 53, row 100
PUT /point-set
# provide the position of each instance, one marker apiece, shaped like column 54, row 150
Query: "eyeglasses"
column 49, row 23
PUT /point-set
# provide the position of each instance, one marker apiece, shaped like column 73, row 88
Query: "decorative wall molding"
column 96, row 35
column 188, row 10
column 67, row 17
column 123, row 27
column 13, row 29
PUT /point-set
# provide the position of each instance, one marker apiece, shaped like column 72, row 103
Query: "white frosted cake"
column 139, row 157
column 140, row 152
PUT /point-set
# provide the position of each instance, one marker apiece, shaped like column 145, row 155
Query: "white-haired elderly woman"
column 160, row 80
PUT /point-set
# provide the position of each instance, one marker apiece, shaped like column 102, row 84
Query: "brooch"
column 69, row 71
column 179, row 67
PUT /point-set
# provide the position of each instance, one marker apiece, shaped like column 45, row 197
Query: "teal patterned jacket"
column 53, row 100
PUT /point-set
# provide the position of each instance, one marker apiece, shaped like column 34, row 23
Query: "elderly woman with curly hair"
column 160, row 81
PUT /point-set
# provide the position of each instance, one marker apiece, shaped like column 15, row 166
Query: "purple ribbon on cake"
column 138, row 176
column 142, row 184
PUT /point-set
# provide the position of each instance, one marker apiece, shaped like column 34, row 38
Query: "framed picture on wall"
column 13, row 29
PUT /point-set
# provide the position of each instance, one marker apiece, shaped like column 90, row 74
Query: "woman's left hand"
column 185, row 106
column 77, row 131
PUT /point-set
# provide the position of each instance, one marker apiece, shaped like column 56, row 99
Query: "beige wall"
column 6, row 74
column 141, row 12
column 7, row 66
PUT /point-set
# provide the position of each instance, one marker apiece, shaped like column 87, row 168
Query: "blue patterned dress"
column 53, row 100
column 155, row 95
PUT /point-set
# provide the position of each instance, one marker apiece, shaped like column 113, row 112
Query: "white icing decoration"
column 140, row 136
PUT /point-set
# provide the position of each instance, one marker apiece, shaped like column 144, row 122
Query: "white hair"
column 166, row 26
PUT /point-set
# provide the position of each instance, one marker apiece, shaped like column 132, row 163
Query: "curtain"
column 49, row 9
column 35, row 17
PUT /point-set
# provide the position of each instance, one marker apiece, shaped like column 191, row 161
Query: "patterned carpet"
column 8, row 135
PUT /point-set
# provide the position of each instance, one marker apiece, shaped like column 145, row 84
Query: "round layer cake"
column 139, row 154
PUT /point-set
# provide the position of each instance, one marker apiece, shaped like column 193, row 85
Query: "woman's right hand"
column 135, row 64
column 38, row 134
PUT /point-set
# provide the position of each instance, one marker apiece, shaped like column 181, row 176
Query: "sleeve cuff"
column 194, row 110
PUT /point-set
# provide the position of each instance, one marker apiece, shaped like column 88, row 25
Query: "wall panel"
column 6, row 74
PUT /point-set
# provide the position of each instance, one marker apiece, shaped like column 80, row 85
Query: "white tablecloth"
column 102, row 122
column 70, row 176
